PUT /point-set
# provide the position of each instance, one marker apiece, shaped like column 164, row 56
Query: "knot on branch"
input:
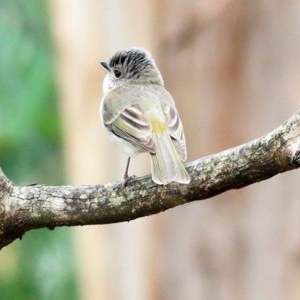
column 4, row 185
column 296, row 158
column 293, row 150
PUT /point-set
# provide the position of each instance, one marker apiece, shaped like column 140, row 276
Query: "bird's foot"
column 126, row 180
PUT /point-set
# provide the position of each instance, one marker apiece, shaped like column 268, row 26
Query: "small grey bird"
column 140, row 115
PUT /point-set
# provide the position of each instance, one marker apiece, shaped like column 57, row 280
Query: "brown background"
column 233, row 68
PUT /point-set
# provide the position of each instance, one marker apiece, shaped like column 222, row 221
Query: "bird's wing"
column 175, row 129
column 130, row 125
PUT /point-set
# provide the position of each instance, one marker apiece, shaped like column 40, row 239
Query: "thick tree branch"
column 31, row 207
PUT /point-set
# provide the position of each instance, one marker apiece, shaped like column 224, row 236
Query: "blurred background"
column 233, row 68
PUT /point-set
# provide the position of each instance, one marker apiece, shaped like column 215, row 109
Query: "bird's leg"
column 126, row 176
column 127, row 167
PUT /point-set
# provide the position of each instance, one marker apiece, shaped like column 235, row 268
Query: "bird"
column 140, row 115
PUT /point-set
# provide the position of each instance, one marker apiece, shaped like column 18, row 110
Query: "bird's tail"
column 166, row 164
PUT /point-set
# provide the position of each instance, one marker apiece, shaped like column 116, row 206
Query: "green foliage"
column 40, row 266
column 29, row 124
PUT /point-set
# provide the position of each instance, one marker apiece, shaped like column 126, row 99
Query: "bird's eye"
column 117, row 73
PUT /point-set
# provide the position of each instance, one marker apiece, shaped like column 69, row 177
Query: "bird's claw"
column 126, row 180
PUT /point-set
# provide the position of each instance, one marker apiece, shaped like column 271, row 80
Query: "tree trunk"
column 234, row 67
column 86, row 33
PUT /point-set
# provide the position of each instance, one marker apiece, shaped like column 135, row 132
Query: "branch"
column 23, row 208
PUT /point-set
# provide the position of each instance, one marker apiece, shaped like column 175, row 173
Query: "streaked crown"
column 133, row 64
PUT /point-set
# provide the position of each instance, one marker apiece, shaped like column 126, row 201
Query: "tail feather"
column 165, row 163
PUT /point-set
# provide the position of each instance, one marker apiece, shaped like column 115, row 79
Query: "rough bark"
column 23, row 208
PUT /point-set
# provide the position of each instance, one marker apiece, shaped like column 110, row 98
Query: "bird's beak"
column 105, row 65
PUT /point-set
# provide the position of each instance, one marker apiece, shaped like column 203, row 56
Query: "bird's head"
column 133, row 65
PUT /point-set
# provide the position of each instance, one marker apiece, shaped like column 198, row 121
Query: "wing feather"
column 176, row 130
column 130, row 125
